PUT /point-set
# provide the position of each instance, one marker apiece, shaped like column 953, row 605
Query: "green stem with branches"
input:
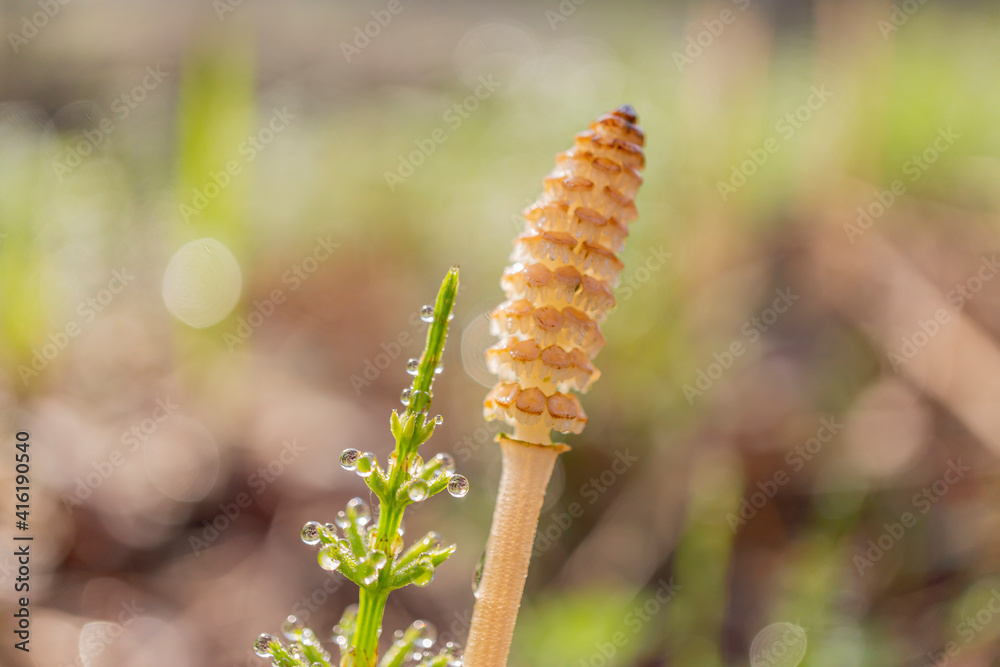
column 412, row 431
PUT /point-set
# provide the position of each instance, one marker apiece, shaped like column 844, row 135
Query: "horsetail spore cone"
column 558, row 289
column 370, row 551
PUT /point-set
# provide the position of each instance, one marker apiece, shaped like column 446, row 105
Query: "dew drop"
column 349, row 459
column 427, row 313
column 439, row 369
column 416, row 465
column 447, row 463
column 262, row 646
column 366, row 464
column 424, row 576
column 417, row 490
column 458, row 486
column 311, row 533
column 438, row 420
column 778, row 645
column 341, row 520
column 371, row 575
column 379, row 559
column 433, row 540
column 404, row 398
column 329, row 557
column 330, row 528
column 361, row 510
column 292, row 628
column 454, row 653
column 420, row 400
column 428, row 633
column 413, row 366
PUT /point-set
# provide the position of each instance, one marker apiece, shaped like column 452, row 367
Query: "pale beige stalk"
column 526, row 472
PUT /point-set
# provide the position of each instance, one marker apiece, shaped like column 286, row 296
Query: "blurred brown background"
column 219, row 219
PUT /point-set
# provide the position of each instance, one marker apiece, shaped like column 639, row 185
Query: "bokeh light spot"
column 202, row 283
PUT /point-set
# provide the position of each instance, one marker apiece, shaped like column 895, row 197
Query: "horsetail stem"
column 371, row 554
column 558, row 290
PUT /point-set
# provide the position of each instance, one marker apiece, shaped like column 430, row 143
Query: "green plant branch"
column 372, row 556
column 410, row 432
column 371, row 607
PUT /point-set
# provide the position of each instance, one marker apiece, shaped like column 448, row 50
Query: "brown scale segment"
column 556, row 249
column 615, row 149
column 601, row 170
column 547, row 325
column 557, row 411
column 527, row 362
column 576, row 191
column 563, row 286
column 581, row 222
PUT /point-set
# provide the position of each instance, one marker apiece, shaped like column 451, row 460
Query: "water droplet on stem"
column 311, row 533
column 417, row 491
column 349, row 459
column 262, row 645
column 458, row 486
column 329, row 557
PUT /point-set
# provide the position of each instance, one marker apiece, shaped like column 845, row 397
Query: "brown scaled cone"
column 559, row 285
